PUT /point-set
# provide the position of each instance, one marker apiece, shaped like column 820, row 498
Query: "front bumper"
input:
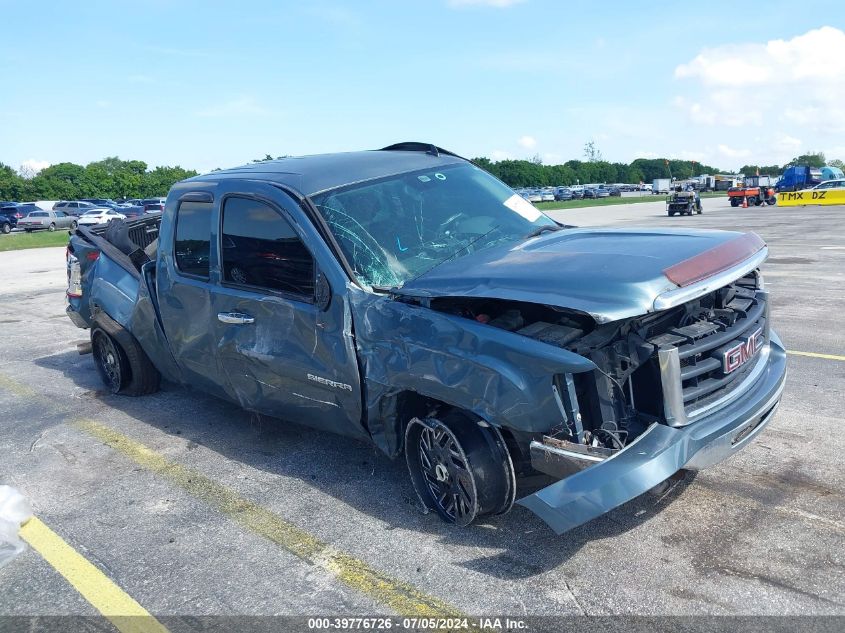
column 660, row 452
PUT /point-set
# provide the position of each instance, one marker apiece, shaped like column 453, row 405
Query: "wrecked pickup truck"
column 406, row 297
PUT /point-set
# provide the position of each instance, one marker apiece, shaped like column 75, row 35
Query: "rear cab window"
column 192, row 246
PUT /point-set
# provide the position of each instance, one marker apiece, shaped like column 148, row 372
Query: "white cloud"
column 240, row 106
column 499, row 4
column 779, row 83
column 787, row 143
column 31, row 167
column 528, row 142
column 731, row 152
column 781, row 61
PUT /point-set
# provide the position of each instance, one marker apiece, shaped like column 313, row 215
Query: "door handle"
column 236, row 318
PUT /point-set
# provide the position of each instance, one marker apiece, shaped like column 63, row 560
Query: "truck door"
column 183, row 276
column 284, row 352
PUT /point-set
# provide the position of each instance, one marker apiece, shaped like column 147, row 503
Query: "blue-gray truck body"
column 660, row 357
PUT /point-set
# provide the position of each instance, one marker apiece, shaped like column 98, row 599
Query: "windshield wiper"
column 546, row 227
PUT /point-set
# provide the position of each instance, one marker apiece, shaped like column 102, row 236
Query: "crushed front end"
column 680, row 388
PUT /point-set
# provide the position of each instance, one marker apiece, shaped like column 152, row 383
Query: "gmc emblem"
column 738, row 355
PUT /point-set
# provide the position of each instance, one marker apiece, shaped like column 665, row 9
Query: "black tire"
column 771, row 201
column 28, row 230
column 52, row 227
column 73, row 225
column 758, row 202
column 460, row 467
column 128, row 371
column 734, row 202
column 7, row 228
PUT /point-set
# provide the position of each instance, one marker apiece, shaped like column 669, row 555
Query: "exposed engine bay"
column 620, row 399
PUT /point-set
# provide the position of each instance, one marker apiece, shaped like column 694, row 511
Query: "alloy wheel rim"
column 446, row 473
column 109, row 362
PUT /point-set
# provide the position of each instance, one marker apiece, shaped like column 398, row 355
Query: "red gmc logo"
column 737, row 355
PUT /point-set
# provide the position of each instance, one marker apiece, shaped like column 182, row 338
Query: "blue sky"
column 214, row 84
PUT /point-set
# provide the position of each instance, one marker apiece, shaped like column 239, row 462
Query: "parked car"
column 73, row 207
column 49, row 220
column 153, row 204
column 563, row 193
column 595, row 193
column 611, row 190
column 100, row 216
column 535, row 196
column 838, row 183
column 9, row 216
column 100, row 202
column 131, row 210
column 484, row 341
column 11, row 213
column 547, row 195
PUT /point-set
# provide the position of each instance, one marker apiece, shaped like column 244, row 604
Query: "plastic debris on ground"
column 15, row 510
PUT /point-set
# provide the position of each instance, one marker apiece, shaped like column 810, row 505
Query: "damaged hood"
column 608, row 273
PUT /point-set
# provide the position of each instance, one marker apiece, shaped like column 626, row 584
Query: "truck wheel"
column 771, row 201
column 734, row 202
column 52, row 227
column 671, row 214
column 7, row 228
column 459, row 469
column 123, row 366
column 758, row 202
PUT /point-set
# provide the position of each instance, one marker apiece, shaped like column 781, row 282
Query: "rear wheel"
column 121, row 363
column 28, row 230
column 460, row 467
column 7, row 228
column 771, row 201
column 671, row 214
column 52, row 227
column 110, row 360
column 734, row 202
column 73, row 225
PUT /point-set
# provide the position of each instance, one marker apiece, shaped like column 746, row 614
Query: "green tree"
column 11, row 184
column 813, row 159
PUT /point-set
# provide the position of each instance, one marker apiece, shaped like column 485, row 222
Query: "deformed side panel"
column 145, row 325
column 502, row 377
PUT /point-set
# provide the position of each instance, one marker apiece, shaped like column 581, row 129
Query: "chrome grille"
column 692, row 357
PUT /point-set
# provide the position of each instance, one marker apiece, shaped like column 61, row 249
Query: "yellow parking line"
column 815, row 355
column 106, row 597
column 401, row 597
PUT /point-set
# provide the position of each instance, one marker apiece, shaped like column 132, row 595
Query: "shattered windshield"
column 397, row 228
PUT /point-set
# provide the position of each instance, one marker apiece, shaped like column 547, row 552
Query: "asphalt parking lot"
column 194, row 507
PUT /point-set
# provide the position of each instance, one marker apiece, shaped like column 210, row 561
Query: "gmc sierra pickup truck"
column 406, row 297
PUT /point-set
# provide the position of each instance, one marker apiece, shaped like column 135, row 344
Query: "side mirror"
column 322, row 292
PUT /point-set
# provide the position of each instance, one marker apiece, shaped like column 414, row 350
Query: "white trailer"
column 661, row 185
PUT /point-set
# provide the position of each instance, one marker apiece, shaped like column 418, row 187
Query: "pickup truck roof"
column 310, row 175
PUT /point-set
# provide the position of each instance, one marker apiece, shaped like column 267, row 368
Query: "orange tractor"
column 756, row 191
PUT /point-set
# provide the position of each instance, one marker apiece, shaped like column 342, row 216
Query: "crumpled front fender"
column 661, row 451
